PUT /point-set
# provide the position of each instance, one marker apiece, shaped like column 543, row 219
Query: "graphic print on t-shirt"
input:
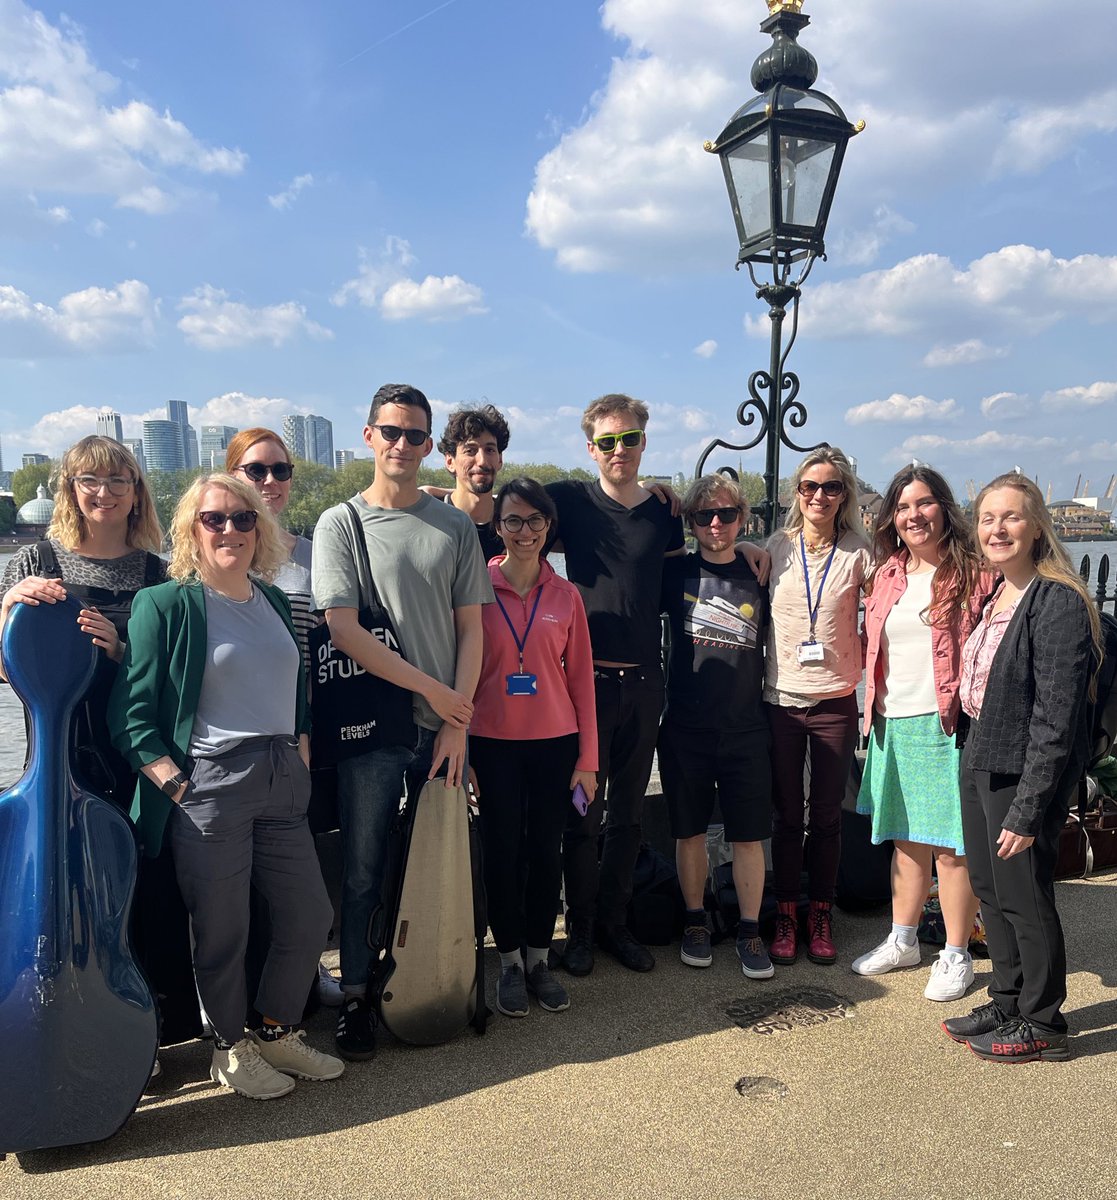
column 713, row 619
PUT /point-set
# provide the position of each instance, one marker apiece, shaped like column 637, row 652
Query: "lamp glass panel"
column 804, row 169
column 748, row 167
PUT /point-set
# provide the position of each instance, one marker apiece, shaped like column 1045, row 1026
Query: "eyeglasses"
column 393, row 433
column 258, row 472
column 705, row 516
column 832, row 488
column 607, row 442
column 118, row 485
column 535, row 523
column 215, row 522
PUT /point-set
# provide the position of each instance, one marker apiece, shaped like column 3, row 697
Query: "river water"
column 13, row 743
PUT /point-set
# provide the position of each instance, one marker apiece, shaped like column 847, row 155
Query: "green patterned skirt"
column 910, row 787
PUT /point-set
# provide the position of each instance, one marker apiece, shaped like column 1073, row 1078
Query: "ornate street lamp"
column 781, row 154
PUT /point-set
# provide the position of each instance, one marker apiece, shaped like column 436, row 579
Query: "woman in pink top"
column 533, row 741
column 926, row 594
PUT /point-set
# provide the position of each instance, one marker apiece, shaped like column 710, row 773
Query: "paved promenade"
column 633, row 1093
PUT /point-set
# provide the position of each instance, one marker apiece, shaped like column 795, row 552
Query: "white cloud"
column 859, row 247
column 214, row 322
column 1105, row 452
column 93, row 320
column 60, row 132
column 901, row 409
column 284, row 199
column 706, row 349
column 241, row 410
column 382, row 282
column 96, row 228
column 1005, row 404
column 962, row 353
column 1070, row 399
column 991, row 441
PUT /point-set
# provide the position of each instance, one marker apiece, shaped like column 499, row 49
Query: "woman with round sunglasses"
column 533, row 743
column 926, row 593
column 1028, row 673
column 820, row 562
column 210, row 707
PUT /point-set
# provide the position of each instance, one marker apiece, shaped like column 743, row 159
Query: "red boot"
column 820, row 947
column 785, row 945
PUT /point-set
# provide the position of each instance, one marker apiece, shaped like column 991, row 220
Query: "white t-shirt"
column 907, row 687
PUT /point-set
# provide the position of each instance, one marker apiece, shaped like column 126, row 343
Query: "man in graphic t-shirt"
column 473, row 443
column 714, row 737
column 615, row 536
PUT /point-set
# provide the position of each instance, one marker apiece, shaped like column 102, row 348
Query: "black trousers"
column 524, row 798
column 1017, row 898
column 629, row 706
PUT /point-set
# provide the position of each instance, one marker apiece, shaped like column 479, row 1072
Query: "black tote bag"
column 352, row 710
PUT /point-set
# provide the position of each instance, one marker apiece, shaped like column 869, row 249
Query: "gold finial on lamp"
column 775, row 6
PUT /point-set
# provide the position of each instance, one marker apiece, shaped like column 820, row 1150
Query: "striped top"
column 293, row 579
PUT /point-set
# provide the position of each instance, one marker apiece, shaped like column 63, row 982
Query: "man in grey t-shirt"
column 431, row 577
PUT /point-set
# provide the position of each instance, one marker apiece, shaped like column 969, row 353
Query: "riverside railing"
column 1102, row 596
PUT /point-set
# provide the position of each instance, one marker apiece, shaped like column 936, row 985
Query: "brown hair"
column 615, row 404
column 245, row 439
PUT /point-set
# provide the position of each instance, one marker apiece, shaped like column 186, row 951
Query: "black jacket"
column 1033, row 718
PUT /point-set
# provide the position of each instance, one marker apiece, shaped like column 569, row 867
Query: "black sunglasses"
column 832, row 488
column 258, row 472
column 607, row 442
column 705, row 516
column 215, row 522
column 393, row 433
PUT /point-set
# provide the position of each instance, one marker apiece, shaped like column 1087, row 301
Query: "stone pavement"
column 648, row 1088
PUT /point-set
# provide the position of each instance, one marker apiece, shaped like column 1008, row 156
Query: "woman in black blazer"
column 1026, row 671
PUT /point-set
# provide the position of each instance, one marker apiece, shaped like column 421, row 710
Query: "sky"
column 272, row 208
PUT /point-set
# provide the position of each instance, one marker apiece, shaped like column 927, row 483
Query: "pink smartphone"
column 580, row 800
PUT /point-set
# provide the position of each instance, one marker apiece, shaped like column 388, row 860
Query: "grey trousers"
column 241, row 822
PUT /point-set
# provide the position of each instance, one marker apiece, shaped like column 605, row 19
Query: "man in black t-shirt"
column 473, row 443
column 714, row 737
column 615, row 536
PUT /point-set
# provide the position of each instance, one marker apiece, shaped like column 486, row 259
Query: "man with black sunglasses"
column 615, row 536
column 431, row 578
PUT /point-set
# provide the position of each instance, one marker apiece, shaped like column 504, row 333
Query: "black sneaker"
column 695, row 950
column 577, row 958
column 619, row 942
column 356, row 1030
column 511, row 992
column 983, row 1019
column 1016, row 1040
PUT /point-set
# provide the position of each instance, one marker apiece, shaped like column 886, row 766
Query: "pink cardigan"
column 557, row 653
column 889, row 584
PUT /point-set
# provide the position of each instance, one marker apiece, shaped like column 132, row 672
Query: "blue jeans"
column 369, row 788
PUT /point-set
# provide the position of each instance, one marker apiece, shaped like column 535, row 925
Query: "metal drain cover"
column 762, row 1087
column 795, row 1008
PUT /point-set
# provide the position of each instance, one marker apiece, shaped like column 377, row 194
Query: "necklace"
column 818, row 547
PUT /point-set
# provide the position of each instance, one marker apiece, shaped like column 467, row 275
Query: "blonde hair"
column 846, row 519
column 270, row 552
column 96, row 455
column 1050, row 559
column 700, row 493
column 615, row 404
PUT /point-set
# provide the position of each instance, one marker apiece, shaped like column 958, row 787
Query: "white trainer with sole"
column 888, row 956
column 951, row 976
column 242, row 1069
column 291, row 1055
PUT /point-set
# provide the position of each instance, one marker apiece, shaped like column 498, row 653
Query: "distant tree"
column 25, row 481
column 546, row 472
column 7, row 515
column 166, row 487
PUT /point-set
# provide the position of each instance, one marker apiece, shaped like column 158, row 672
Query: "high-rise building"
column 178, row 412
column 35, row 460
column 294, row 435
column 163, row 446
column 137, row 447
column 320, row 440
column 108, row 425
column 213, row 443
column 342, row 458
column 189, row 446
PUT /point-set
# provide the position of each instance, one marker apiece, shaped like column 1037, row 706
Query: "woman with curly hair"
column 926, row 593
column 210, row 708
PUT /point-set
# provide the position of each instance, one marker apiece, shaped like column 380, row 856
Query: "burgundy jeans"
column 830, row 730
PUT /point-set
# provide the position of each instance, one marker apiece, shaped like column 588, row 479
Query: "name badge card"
column 522, row 683
column 810, row 652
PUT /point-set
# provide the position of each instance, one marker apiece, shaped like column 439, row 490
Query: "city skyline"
column 275, row 210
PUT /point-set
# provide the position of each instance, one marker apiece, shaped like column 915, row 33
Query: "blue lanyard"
column 812, row 610
column 520, row 642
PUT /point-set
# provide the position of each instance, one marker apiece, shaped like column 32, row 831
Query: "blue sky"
column 261, row 209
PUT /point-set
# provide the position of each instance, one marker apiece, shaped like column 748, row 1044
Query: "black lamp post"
column 781, row 154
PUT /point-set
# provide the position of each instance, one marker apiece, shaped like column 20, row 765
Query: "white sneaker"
column 886, row 957
column 951, row 976
column 291, row 1055
column 241, row 1068
column 329, row 990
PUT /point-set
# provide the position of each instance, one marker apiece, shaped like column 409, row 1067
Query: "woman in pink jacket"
column 533, row 740
column 926, row 596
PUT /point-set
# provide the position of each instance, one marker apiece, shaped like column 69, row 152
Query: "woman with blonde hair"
column 210, row 708
column 1027, row 673
column 820, row 563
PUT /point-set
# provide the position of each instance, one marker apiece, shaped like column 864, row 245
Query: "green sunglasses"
column 607, row 442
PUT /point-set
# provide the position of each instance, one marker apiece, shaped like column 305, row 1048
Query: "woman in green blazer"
column 210, row 709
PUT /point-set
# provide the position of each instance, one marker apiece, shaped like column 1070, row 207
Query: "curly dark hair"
column 466, row 423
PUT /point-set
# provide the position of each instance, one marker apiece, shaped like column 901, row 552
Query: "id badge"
column 811, row 652
column 521, row 684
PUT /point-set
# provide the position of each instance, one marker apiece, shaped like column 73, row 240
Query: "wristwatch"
column 172, row 785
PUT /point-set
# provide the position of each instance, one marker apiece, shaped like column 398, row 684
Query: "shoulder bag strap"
column 153, row 570
column 48, row 560
column 364, row 566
